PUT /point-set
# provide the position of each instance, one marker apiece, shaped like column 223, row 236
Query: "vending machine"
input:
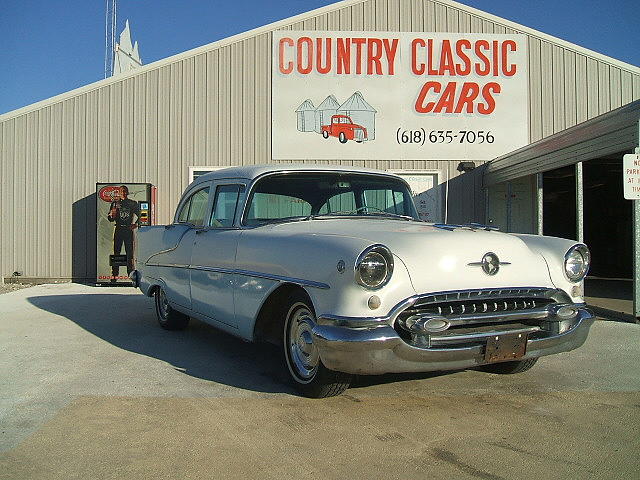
column 121, row 208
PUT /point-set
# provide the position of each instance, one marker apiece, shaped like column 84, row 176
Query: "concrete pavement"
column 93, row 388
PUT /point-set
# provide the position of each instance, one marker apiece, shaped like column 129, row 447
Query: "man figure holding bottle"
column 122, row 212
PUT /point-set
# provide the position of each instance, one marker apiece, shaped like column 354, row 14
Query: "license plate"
column 505, row 347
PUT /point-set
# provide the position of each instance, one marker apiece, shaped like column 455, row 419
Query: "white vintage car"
column 333, row 264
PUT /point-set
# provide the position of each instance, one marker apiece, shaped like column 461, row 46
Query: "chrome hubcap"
column 303, row 354
column 163, row 304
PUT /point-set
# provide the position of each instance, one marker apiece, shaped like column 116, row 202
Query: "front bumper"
column 378, row 350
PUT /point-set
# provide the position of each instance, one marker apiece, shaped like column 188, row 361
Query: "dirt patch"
column 12, row 287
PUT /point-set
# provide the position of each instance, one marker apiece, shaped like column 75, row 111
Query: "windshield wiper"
column 359, row 210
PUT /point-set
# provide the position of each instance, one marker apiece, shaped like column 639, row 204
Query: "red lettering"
column 391, row 53
column 468, row 94
column 430, row 70
column 487, row 90
column 319, row 67
column 511, row 70
column 446, row 59
column 479, row 70
column 344, row 55
column 421, row 107
column 289, row 68
column 417, row 69
column 460, row 44
column 358, row 43
column 447, row 99
column 302, row 41
column 495, row 58
column 374, row 54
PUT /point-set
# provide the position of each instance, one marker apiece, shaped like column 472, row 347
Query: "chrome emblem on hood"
column 490, row 263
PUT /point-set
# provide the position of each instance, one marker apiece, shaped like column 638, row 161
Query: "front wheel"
column 168, row 318
column 342, row 137
column 508, row 368
column 309, row 374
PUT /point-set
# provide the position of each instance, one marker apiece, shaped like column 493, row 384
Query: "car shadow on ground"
column 128, row 321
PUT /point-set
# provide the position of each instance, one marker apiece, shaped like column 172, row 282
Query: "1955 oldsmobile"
column 334, row 265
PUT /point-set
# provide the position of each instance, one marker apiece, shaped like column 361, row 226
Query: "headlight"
column 576, row 262
column 374, row 267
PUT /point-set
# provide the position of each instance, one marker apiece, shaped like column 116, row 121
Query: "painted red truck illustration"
column 343, row 127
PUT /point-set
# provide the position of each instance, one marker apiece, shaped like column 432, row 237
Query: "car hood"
column 439, row 259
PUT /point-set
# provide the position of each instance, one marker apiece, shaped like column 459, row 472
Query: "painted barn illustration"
column 355, row 119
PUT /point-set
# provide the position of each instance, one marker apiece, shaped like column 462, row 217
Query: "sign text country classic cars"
column 394, row 96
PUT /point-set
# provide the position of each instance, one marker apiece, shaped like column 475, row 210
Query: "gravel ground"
column 12, row 287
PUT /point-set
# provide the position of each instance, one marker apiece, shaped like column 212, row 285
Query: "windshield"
column 295, row 196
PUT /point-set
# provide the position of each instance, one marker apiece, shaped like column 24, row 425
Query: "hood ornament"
column 490, row 263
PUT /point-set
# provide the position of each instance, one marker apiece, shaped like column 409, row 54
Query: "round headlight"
column 576, row 262
column 374, row 267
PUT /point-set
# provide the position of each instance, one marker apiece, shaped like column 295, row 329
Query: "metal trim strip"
column 247, row 273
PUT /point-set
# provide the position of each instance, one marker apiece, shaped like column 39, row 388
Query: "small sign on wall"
column 631, row 176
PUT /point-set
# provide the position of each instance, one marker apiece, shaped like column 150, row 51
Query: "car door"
column 179, row 239
column 214, row 257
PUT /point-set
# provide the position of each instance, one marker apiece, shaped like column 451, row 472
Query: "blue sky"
column 50, row 47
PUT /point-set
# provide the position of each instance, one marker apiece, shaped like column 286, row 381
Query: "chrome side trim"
column 248, row 273
column 170, row 265
column 167, row 250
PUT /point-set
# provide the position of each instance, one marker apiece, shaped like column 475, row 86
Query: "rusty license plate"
column 505, row 347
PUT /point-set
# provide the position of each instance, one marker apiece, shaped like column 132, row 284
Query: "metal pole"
column 509, row 194
column 579, row 203
column 636, row 258
column 540, row 204
column 636, row 247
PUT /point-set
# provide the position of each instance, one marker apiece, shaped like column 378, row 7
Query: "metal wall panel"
column 214, row 108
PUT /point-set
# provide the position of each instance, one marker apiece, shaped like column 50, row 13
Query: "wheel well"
column 268, row 327
column 153, row 290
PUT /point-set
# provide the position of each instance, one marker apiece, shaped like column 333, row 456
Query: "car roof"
column 251, row 172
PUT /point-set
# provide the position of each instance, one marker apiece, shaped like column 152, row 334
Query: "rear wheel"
column 325, row 134
column 508, row 368
column 168, row 318
column 309, row 374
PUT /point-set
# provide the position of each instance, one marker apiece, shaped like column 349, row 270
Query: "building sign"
column 394, row 96
column 631, row 176
column 426, row 194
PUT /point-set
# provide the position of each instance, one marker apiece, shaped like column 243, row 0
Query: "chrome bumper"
column 378, row 350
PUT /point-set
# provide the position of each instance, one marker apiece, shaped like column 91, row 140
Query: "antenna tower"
column 110, row 25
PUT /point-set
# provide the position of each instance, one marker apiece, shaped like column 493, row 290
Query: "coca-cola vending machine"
column 121, row 208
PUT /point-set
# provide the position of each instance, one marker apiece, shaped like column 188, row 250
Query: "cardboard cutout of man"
column 122, row 212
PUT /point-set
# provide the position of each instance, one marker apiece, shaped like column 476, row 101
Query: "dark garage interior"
column 608, row 217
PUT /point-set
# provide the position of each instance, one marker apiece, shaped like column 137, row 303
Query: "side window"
column 224, row 206
column 184, row 213
column 194, row 209
column 199, row 202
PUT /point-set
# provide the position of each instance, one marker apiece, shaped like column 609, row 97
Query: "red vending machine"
column 121, row 208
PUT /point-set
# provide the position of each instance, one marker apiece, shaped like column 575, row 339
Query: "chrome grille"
column 474, row 313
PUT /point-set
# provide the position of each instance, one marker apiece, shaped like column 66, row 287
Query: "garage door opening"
column 559, row 210
column 608, row 218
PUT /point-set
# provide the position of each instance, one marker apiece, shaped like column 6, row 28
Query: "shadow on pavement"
column 128, row 321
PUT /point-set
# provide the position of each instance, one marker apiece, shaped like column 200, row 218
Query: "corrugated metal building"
column 212, row 106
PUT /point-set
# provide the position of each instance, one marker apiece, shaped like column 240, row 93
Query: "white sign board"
column 631, row 176
column 395, row 96
column 426, row 194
